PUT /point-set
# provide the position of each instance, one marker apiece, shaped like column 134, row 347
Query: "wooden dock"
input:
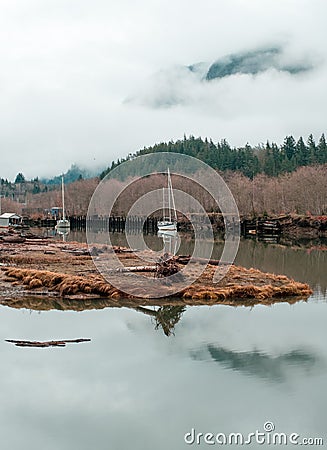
column 259, row 227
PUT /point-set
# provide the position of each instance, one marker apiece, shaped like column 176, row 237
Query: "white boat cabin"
column 10, row 220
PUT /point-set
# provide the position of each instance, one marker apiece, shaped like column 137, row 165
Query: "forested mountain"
column 73, row 174
column 253, row 62
column 270, row 159
column 21, row 187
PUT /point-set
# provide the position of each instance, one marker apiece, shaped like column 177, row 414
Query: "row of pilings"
column 116, row 223
column 149, row 225
column 100, row 223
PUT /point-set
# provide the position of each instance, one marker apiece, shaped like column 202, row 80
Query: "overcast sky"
column 88, row 82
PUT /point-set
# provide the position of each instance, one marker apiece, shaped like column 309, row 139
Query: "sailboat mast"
column 170, row 189
column 163, row 204
column 63, row 198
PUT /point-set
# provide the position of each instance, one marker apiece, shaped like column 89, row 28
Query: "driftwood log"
column 185, row 259
column 78, row 252
column 133, row 269
column 125, row 250
column 47, row 343
column 13, row 239
column 167, row 266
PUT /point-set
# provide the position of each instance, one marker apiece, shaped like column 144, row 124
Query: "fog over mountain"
column 175, row 86
column 89, row 83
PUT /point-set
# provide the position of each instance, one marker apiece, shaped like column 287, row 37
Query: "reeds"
column 238, row 285
column 63, row 283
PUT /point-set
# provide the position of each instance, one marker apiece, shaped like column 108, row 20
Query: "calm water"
column 223, row 370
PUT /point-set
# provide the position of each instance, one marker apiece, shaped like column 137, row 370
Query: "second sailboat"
column 169, row 221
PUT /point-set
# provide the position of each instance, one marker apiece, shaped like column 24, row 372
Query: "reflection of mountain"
column 261, row 364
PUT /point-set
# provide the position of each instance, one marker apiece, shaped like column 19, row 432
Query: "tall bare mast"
column 63, row 198
column 171, row 198
column 163, row 204
column 169, row 205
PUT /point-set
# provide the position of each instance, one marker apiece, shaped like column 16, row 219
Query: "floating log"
column 45, row 344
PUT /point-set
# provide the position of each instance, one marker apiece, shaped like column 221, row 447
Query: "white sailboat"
column 169, row 221
column 63, row 223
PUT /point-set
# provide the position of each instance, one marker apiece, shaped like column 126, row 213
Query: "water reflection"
column 166, row 317
column 266, row 363
column 171, row 241
column 63, row 234
column 259, row 364
column 165, row 313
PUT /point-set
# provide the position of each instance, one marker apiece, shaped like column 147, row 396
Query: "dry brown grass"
column 236, row 291
column 239, row 284
column 63, row 283
column 245, row 284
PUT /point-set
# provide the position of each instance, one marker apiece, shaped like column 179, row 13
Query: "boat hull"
column 63, row 225
column 171, row 234
column 167, row 226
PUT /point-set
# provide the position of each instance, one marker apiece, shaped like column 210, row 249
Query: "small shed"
column 55, row 211
column 9, row 220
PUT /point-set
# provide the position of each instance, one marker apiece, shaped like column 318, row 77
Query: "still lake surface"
column 223, row 369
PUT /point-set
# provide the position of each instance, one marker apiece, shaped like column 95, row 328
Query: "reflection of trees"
column 165, row 317
column 261, row 364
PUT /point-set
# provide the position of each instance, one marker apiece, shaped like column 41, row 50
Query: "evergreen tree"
column 36, row 188
column 269, row 164
column 311, row 149
column 302, row 153
column 322, row 150
column 270, row 159
column 277, row 155
column 289, row 147
column 20, row 178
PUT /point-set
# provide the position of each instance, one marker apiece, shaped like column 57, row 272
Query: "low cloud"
column 188, row 85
